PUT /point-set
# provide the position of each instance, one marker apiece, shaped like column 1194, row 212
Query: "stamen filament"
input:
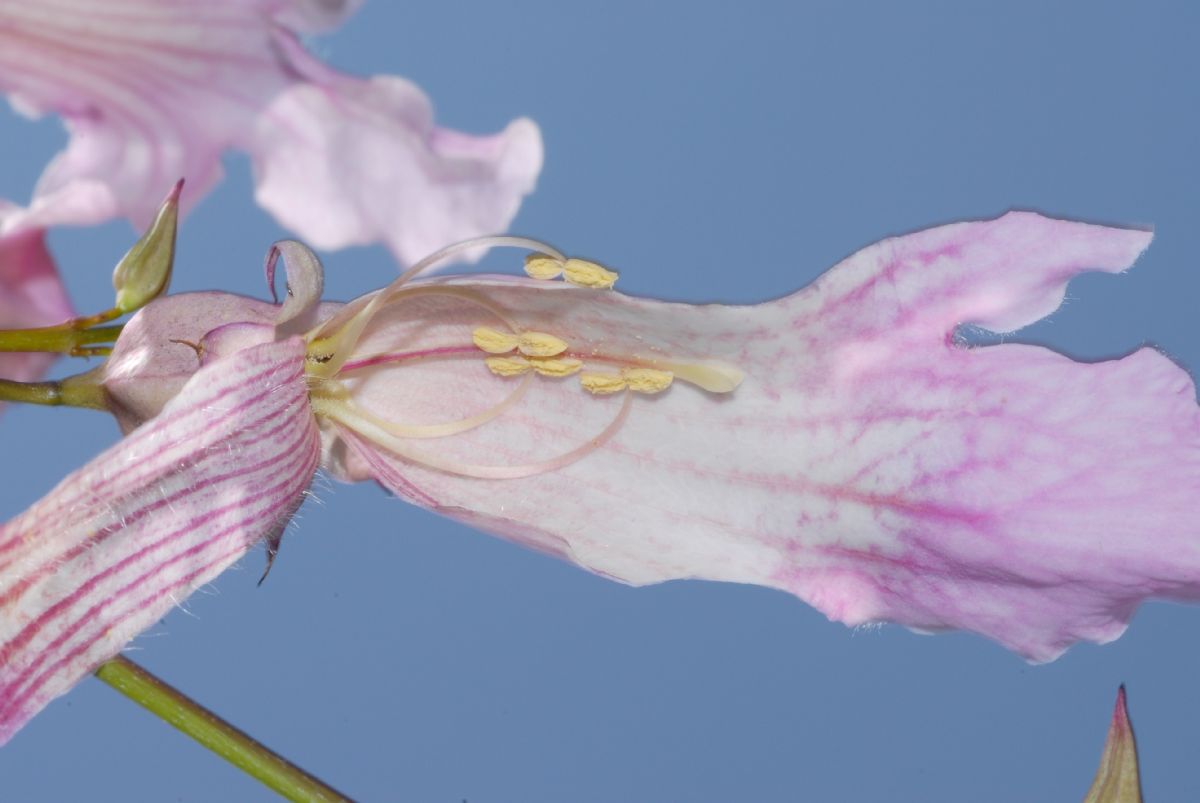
column 711, row 375
column 441, row 352
column 338, row 347
column 370, row 304
column 435, row 430
column 490, row 241
column 341, row 413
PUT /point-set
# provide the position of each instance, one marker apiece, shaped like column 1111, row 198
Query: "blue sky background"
column 710, row 154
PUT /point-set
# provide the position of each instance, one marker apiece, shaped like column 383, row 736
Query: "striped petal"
column 129, row 536
column 153, row 91
column 868, row 463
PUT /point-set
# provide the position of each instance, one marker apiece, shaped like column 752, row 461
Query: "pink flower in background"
column 154, row 91
column 838, row 444
column 30, row 295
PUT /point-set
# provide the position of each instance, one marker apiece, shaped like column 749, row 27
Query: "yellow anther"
column 556, row 366
column 647, row 380
column 319, row 351
column 540, row 344
column 508, row 366
column 494, row 342
column 588, row 274
column 715, row 377
column 602, row 384
column 543, row 266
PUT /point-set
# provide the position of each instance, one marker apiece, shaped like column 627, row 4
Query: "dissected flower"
column 839, row 443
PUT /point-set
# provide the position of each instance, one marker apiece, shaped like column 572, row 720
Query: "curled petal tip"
column 305, row 282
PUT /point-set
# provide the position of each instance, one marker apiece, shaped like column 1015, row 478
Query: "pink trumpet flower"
column 151, row 91
column 839, row 444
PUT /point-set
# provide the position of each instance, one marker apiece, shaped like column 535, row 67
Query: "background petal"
column 152, row 92
column 130, row 535
column 315, row 15
column 31, row 294
column 383, row 171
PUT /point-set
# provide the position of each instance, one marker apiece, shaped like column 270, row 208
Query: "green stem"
column 74, row 391
column 228, row 742
column 60, row 339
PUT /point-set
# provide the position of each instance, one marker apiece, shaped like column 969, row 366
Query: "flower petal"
column 305, row 283
column 999, row 274
column 867, row 463
column 130, row 535
column 383, row 171
column 31, row 294
column 152, row 92
column 315, row 16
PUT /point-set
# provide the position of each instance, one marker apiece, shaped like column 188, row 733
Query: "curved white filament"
column 356, row 319
column 490, row 241
column 346, row 338
column 339, row 412
column 448, row 428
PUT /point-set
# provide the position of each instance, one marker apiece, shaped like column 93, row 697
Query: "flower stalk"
column 142, row 275
column 73, row 337
column 230, row 743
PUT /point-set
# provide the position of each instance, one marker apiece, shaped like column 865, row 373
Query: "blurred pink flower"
column 838, row 444
column 154, row 91
column 31, row 295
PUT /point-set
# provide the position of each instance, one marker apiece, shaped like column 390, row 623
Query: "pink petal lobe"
column 999, row 274
column 31, row 294
column 867, row 463
column 121, row 541
column 370, row 151
column 152, row 92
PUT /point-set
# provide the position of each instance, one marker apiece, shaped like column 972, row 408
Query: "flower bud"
column 144, row 272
